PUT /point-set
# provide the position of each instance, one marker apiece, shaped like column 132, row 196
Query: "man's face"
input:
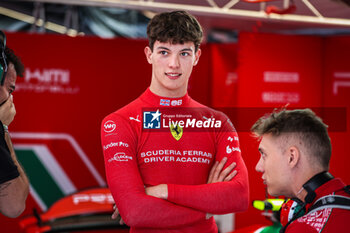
column 273, row 165
column 171, row 67
column 9, row 83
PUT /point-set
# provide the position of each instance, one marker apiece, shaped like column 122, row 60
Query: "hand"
column 159, row 191
column 116, row 215
column 7, row 111
column 218, row 175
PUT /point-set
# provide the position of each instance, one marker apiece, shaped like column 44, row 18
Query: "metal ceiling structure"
column 245, row 15
column 308, row 12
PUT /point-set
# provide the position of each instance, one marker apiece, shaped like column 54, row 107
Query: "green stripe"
column 39, row 178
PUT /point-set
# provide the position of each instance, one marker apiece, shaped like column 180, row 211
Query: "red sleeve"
column 119, row 144
column 222, row 197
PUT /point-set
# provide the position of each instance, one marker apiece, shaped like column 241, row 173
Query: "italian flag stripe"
column 40, row 179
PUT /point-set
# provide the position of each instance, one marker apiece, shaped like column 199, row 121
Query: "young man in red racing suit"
column 169, row 160
column 295, row 152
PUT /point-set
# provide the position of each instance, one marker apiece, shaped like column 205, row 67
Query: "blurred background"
column 84, row 59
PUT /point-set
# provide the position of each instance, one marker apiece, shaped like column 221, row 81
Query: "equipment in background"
column 85, row 210
column 270, row 208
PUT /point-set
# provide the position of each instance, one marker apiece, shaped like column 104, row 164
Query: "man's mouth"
column 173, row 75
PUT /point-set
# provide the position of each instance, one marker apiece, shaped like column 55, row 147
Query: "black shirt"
column 8, row 169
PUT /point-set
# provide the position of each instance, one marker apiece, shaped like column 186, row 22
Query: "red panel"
column 273, row 70
column 100, row 80
column 199, row 84
column 336, row 91
column 224, row 74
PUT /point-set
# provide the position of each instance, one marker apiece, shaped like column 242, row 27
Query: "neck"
column 300, row 179
column 163, row 92
column 314, row 181
column 301, row 194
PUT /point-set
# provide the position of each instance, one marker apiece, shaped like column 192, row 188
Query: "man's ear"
column 148, row 53
column 198, row 54
column 293, row 154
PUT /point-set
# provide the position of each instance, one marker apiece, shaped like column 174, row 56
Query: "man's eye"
column 185, row 54
column 163, row 52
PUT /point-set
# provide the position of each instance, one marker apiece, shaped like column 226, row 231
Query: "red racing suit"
column 327, row 220
column 181, row 157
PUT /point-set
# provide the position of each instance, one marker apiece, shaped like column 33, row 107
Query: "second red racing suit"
column 142, row 149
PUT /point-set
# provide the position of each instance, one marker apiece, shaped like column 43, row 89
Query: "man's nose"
column 174, row 62
column 259, row 166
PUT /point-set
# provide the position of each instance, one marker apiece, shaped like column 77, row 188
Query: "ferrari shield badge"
column 176, row 131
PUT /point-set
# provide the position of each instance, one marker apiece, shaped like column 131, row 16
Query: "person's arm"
column 136, row 208
column 13, row 193
column 14, row 185
column 218, row 197
column 217, row 174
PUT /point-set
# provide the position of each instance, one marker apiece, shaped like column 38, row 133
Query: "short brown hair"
column 302, row 123
column 174, row 27
column 11, row 57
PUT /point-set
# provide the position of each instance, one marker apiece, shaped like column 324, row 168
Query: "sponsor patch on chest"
column 317, row 219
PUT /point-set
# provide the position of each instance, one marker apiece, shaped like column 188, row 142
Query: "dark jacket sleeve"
column 8, row 169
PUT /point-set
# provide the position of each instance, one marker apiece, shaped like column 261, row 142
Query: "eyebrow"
column 161, row 47
column 187, row 49
column 182, row 50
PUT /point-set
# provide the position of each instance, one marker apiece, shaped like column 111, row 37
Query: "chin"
column 172, row 87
